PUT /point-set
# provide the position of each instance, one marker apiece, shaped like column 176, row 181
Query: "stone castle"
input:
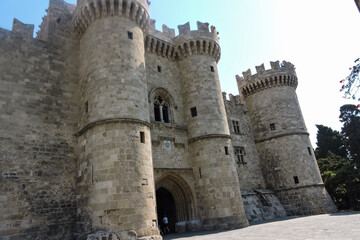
column 107, row 125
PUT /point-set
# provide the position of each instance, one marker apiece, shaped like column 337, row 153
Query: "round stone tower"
column 217, row 185
column 287, row 158
column 114, row 144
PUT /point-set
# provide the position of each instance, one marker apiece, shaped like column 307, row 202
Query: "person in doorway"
column 166, row 224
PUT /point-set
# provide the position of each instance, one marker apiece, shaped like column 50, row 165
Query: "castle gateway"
column 108, row 126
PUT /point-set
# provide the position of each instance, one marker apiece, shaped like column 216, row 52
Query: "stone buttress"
column 217, row 186
column 115, row 161
column 286, row 155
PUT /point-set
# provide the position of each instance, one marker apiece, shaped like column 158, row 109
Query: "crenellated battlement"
column 89, row 10
column 200, row 41
column 283, row 74
column 22, row 30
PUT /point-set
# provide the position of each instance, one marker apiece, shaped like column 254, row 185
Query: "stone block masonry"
column 107, row 125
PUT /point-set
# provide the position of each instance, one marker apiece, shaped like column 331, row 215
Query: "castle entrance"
column 174, row 199
column 165, row 207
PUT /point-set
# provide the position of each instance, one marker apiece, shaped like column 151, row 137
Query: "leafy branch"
column 351, row 84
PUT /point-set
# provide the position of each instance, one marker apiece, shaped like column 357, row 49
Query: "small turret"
column 286, row 155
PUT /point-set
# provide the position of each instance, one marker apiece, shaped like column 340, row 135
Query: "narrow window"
column 157, row 113
column 130, row 35
column 309, row 150
column 200, row 173
column 236, row 126
column 239, row 154
column 142, row 137
column 272, row 127
column 296, row 179
column 193, row 112
column 159, row 69
column 226, row 150
column 161, row 110
column 165, row 110
column 86, row 107
column 212, row 69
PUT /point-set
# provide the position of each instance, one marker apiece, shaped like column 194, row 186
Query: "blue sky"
column 320, row 37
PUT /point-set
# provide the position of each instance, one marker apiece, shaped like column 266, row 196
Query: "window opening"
column 159, row 69
column 130, row 35
column 212, row 69
column 226, row 150
column 296, row 179
column 86, row 107
column 309, row 150
column 161, row 110
column 193, row 112
column 240, row 155
column 236, row 126
column 200, row 173
column 142, row 137
column 272, row 127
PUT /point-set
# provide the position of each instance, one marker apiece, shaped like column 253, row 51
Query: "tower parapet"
column 201, row 41
column 278, row 75
column 88, row 11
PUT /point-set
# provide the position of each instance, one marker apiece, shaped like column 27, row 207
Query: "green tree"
column 339, row 172
column 329, row 140
column 350, row 117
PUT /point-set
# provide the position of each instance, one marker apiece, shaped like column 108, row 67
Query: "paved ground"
column 341, row 226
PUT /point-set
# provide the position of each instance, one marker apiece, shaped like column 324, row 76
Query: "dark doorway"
column 165, row 207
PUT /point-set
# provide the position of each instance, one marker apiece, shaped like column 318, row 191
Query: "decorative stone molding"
column 90, row 125
column 90, row 10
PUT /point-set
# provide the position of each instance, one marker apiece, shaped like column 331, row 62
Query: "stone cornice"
column 209, row 136
column 110, row 120
column 90, row 10
column 282, row 135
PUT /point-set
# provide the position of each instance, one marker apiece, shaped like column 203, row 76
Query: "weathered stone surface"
column 101, row 111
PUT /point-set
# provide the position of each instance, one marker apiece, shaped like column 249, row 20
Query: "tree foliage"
column 329, row 140
column 350, row 117
column 338, row 159
column 351, row 84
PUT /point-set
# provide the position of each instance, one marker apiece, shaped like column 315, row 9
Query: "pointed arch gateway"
column 171, row 188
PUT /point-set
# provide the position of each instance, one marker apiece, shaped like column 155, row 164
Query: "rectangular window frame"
column 130, row 35
column 240, row 154
column 236, row 126
column 142, row 137
column 193, row 111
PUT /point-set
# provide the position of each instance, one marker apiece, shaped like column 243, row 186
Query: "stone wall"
column 250, row 175
column 306, row 200
column 37, row 123
column 262, row 204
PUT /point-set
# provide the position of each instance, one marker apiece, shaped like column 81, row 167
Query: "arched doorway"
column 166, row 207
column 174, row 198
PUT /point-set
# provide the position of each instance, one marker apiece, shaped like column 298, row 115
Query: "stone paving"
column 342, row 226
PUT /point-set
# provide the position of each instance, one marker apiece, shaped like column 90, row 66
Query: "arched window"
column 161, row 110
column 162, row 105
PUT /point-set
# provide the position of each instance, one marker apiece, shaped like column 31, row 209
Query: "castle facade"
column 107, row 125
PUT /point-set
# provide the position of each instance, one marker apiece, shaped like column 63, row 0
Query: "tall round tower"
column 114, row 144
column 287, row 158
column 217, row 185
